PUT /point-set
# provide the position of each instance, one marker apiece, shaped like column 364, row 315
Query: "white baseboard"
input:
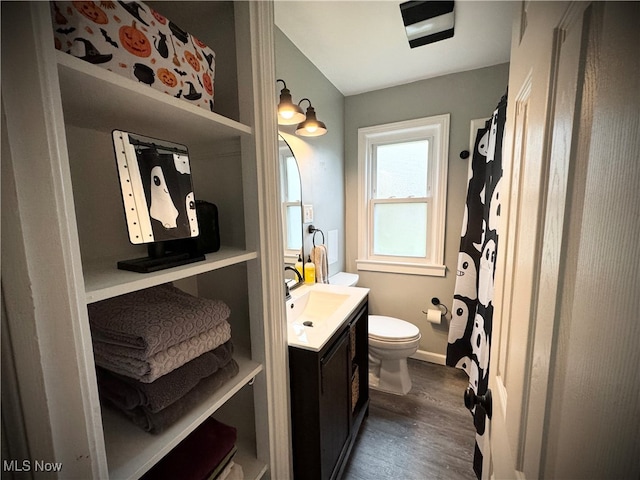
column 425, row 356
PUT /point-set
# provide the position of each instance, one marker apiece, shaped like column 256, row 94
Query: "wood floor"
column 426, row 434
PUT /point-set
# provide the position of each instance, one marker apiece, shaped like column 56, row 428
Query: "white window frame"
column 436, row 130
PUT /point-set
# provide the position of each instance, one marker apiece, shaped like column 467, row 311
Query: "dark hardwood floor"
column 426, row 434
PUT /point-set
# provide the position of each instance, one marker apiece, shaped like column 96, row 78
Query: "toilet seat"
column 392, row 330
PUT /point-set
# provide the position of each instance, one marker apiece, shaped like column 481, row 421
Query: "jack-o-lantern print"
column 135, row 41
column 207, row 83
column 160, row 18
column 167, row 77
column 92, row 11
column 198, row 42
column 192, row 60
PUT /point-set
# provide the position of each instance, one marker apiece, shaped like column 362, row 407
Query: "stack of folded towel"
column 207, row 453
column 159, row 352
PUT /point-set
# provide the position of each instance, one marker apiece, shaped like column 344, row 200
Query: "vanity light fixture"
column 288, row 112
column 311, row 127
column 427, row 21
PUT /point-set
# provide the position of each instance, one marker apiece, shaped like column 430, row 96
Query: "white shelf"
column 131, row 451
column 103, row 279
column 96, row 98
column 252, row 468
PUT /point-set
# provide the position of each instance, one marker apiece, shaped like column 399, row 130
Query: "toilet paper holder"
column 436, row 301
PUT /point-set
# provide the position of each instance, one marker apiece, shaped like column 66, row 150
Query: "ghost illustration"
column 478, row 246
column 493, row 134
column 465, row 221
column 162, row 207
column 485, row 283
column 470, row 367
column 459, row 317
column 480, row 344
column 190, row 205
column 466, row 282
column 494, row 208
column 483, row 144
column 182, row 163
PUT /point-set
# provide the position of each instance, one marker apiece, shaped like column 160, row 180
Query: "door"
column 335, row 400
column 545, row 83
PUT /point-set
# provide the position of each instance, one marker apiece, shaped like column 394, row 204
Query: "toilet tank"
column 345, row 279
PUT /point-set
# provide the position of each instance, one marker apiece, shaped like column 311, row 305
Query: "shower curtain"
column 472, row 312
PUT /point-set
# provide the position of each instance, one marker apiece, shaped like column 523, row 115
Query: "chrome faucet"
column 300, row 281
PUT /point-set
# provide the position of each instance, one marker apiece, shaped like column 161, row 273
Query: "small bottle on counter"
column 299, row 267
column 309, row 271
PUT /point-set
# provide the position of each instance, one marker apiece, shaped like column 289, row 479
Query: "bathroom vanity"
column 328, row 377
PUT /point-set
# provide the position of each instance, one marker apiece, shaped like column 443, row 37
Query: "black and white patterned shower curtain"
column 472, row 312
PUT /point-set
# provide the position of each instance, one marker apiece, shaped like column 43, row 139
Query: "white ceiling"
column 361, row 45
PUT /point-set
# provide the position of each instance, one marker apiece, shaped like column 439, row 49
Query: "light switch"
column 308, row 213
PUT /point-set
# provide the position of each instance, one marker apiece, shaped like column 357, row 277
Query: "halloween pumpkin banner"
column 133, row 40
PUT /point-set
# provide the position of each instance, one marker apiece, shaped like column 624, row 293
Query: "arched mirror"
column 291, row 191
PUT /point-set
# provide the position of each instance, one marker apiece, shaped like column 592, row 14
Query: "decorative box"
column 135, row 41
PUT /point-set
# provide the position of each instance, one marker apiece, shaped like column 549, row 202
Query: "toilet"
column 345, row 279
column 391, row 342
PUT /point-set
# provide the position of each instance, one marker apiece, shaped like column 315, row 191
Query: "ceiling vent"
column 427, row 21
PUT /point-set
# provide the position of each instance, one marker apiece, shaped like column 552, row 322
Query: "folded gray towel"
column 123, row 360
column 154, row 319
column 160, row 421
column 127, row 393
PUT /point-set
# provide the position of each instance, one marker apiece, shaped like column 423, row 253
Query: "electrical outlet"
column 308, row 213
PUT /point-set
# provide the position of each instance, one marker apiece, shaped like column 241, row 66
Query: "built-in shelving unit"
column 83, row 104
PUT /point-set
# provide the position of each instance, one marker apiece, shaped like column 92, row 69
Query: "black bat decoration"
column 65, row 31
column 108, row 38
column 180, row 72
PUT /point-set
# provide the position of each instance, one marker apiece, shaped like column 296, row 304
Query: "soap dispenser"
column 299, row 266
column 309, row 271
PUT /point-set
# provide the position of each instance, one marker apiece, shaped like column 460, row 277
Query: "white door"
column 545, row 75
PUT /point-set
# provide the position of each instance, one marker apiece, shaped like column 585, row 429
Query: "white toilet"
column 391, row 342
column 345, row 279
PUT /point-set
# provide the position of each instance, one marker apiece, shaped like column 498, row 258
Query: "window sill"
column 401, row 267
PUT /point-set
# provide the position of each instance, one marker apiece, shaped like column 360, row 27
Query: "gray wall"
column 466, row 96
column 321, row 159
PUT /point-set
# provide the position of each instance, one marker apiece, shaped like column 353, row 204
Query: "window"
column 402, row 169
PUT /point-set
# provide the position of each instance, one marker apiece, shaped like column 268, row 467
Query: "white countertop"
column 326, row 306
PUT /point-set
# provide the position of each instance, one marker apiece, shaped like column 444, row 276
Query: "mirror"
column 157, row 195
column 291, row 193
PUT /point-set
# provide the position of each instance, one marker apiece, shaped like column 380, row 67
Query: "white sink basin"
column 316, row 311
column 314, row 306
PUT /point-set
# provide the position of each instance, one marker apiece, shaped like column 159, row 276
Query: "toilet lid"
column 391, row 329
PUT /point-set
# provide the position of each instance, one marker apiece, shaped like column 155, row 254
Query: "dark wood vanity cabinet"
column 329, row 399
